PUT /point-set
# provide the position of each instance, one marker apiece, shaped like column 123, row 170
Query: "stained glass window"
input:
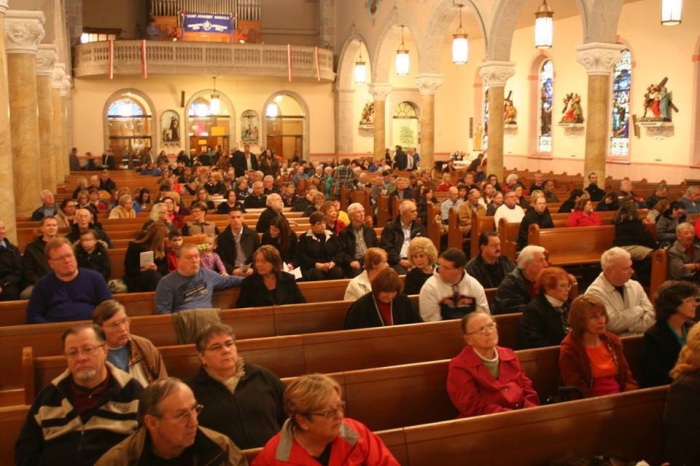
column 544, row 142
column 622, row 83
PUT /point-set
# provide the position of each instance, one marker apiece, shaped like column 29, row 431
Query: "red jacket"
column 474, row 391
column 356, row 445
column 577, row 219
column 575, row 367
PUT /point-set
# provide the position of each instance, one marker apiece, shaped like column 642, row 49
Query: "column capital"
column 24, row 31
column 599, row 58
column 4, row 5
column 46, row 59
column 428, row 83
column 496, row 73
column 379, row 91
column 58, row 72
column 66, row 85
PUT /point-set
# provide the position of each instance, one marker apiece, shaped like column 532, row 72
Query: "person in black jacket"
column 317, row 248
column 34, row 262
column 490, row 267
column 385, row 305
column 518, row 288
column 284, row 239
column 568, row 205
column 241, row 400
column 675, row 307
column 544, row 321
column 274, row 208
column 91, row 253
column 350, row 257
column 395, row 242
column 630, row 232
column 145, row 278
column 237, row 244
column 84, row 219
column 269, row 285
column 537, row 213
column 10, row 268
column 242, row 161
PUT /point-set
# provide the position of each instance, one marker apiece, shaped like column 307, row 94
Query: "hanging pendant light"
column 460, row 43
column 403, row 62
column 360, row 69
column 671, row 11
column 543, row 26
column 214, row 102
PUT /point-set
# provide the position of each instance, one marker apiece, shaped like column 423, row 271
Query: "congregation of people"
column 115, row 403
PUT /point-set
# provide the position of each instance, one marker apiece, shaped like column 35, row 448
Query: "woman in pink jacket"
column 485, row 378
column 583, row 215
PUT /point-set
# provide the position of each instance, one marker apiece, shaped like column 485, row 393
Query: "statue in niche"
column 573, row 113
column 510, row 113
column 657, row 100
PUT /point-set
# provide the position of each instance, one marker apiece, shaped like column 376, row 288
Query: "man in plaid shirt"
column 344, row 177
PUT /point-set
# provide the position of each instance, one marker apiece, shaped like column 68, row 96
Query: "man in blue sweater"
column 191, row 285
column 69, row 293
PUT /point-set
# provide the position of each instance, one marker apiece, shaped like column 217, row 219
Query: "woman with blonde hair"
column 423, row 256
column 374, row 262
column 683, row 404
column 317, row 428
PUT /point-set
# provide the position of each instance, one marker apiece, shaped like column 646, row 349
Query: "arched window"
column 209, row 122
column 405, row 125
column 622, row 83
column 544, row 141
column 129, row 123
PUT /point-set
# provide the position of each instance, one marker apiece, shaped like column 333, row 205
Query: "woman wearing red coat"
column 583, row 215
column 485, row 378
column 318, row 433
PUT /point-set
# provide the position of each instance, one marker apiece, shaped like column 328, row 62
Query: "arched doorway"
column 285, row 126
column 129, row 122
column 209, row 121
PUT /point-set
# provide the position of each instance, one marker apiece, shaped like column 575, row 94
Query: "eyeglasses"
column 218, row 346
column 87, row 351
column 565, row 286
column 484, row 329
column 332, row 412
column 184, row 416
column 115, row 325
column 64, row 257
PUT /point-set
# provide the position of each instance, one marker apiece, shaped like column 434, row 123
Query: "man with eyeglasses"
column 170, row 432
column 83, row 412
column 243, row 401
column 70, row 292
column 134, row 355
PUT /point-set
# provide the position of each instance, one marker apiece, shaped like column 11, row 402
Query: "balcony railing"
column 178, row 58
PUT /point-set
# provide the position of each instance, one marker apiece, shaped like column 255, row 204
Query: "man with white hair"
column 629, row 310
column 274, row 208
column 518, row 288
column 398, row 233
column 452, row 202
column 684, row 255
column 510, row 210
column 48, row 206
column 690, row 200
column 354, row 241
column 257, row 199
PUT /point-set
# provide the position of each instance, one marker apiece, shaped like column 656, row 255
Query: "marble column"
column 379, row 92
column 599, row 59
column 24, row 31
column 66, row 87
column 7, row 180
column 345, row 126
column 428, row 84
column 45, row 59
column 58, row 123
column 495, row 74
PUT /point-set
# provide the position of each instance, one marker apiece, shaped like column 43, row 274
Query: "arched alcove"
column 207, row 126
column 286, row 125
column 129, row 122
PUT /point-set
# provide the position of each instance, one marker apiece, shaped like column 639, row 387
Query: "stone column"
column 599, row 59
column 7, row 180
column 45, row 59
column 59, row 126
column 23, row 32
column 495, row 74
column 428, row 84
column 379, row 92
column 66, row 86
column 344, row 114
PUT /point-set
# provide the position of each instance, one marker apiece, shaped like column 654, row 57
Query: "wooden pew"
column 659, row 270
column 11, row 418
column 627, row 426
